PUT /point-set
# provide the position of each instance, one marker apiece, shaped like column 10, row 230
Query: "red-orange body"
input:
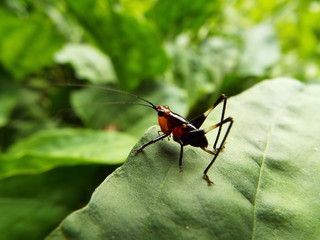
column 171, row 122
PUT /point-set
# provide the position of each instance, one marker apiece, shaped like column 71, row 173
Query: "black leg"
column 221, row 120
column 198, row 121
column 180, row 158
column 230, row 121
column 152, row 141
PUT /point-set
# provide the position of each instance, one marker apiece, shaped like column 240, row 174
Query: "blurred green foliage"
column 183, row 54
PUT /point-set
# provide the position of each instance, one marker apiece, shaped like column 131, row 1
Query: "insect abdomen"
column 178, row 132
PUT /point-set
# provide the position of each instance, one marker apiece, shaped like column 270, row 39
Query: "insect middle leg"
column 195, row 138
column 181, row 154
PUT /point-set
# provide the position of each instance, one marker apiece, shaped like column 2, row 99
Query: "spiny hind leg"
column 209, row 151
column 198, row 121
column 218, row 125
column 216, row 152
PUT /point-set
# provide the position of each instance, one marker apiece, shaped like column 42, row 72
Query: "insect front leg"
column 160, row 133
column 152, row 141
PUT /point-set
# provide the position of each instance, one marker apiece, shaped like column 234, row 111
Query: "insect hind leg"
column 227, row 120
column 209, row 151
column 198, row 121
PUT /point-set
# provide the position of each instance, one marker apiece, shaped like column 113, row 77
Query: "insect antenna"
column 150, row 104
column 133, row 103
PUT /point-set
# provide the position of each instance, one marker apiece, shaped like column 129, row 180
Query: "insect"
column 183, row 131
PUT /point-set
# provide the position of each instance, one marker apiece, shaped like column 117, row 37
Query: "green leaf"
column 172, row 19
column 88, row 62
column 33, row 204
column 199, row 69
column 261, row 50
column 50, row 174
column 65, row 147
column 24, row 216
column 266, row 179
column 127, row 40
column 9, row 96
column 27, row 44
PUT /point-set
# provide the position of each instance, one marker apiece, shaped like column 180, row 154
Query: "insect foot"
column 137, row 150
column 219, row 149
column 206, row 177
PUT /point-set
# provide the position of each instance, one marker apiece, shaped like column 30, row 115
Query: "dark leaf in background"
column 52, row 173
column 9, row 97
column 33, row 204
column 173, row 19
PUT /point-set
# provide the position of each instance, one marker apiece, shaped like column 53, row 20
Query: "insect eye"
column 160, row 113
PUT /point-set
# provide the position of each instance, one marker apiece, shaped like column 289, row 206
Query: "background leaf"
column 23, row 41
column 117, row 36
column 266, row 180
column 172, row 19
column 32, row 204
column 8, row 99
column 52, row 173
column 65, row 147
column 261, row 50
column 88, row 62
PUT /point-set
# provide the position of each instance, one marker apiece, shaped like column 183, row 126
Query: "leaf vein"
column 271, row 129
column 155, row 201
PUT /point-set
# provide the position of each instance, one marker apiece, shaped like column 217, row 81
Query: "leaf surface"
column 266, row 180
